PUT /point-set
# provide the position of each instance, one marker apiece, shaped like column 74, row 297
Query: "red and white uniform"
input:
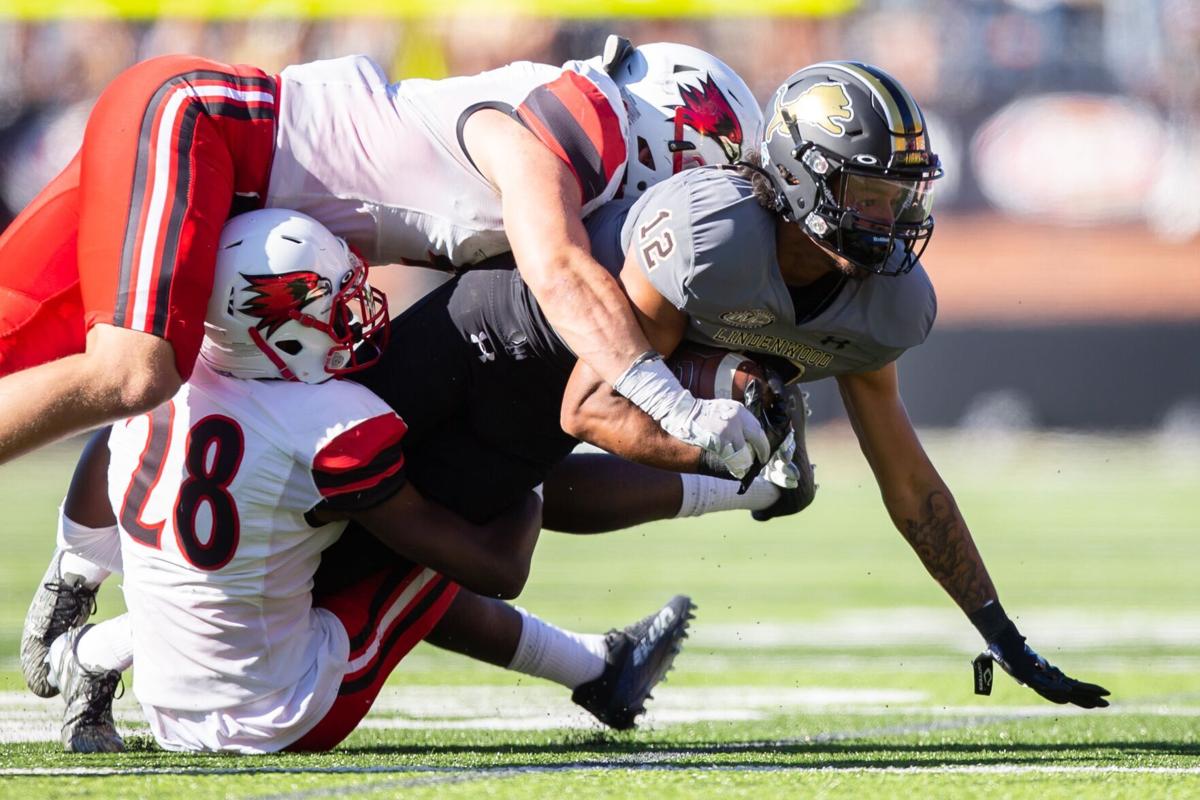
column 383, row 164
column 211, row 492
column 127, row 234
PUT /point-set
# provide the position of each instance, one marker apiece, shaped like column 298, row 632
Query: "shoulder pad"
column 902, row 309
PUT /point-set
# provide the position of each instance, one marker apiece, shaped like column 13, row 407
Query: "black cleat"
column 638, row 658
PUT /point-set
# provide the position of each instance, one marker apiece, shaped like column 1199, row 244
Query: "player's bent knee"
column 508, row 583
column 142, row 386
column 147, row 388
column 136, row 369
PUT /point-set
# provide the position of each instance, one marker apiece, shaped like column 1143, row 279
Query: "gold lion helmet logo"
column 824, row 105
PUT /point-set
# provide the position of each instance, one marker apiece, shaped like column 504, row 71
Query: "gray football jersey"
column 708, row 246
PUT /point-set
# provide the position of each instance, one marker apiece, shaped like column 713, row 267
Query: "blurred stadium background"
column 1066, row 259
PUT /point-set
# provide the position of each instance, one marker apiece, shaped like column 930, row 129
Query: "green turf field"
column 823, row 661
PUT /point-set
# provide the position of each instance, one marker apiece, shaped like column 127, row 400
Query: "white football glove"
column 724, row 428
column 780, row 470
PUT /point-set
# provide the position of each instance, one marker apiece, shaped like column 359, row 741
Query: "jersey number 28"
column 212, row 455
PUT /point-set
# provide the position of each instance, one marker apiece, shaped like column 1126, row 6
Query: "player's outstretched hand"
column 1027, row 667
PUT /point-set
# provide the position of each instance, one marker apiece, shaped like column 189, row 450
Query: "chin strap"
column 779, row 201
column 271, row 355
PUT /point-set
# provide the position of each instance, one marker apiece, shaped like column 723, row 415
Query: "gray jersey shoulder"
column 688, row 231
column 708, row 247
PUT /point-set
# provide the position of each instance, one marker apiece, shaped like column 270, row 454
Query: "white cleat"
column 59, row 604
column 88, row 725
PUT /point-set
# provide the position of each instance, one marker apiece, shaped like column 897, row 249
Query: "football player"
column 105, row 276
column 809, row 258
column 226, row 497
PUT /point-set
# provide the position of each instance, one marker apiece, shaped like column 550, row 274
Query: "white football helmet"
column 686, row 108
column 290, row 300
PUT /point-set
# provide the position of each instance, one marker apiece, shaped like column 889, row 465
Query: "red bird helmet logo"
column 707, row 111
column 280, row 298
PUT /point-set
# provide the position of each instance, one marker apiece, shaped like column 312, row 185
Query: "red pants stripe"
column 385, row 615
column 167, row 146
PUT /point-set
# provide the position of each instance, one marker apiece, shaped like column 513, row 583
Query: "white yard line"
column 616, row 764
column 24, row 718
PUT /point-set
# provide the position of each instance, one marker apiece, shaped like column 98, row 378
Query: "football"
column 710, row 372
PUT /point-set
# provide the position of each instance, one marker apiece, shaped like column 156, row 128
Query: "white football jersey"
column 211, row 492
column 383, row 166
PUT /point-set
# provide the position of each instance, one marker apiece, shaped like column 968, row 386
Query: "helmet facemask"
column 358, row 323
column 862, row 212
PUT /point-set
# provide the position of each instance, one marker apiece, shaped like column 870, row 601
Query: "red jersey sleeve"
column 574, row 118
column 363, row 465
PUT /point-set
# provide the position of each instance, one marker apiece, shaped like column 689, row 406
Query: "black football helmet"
column 848, row 153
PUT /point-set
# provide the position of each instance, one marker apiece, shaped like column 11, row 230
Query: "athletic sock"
column 546, row 651
column 92, row 553
column 106, row 645
column 703, row 494
column 92, row 574
column 103, row 646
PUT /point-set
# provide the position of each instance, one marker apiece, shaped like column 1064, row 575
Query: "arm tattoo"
column 942, row 542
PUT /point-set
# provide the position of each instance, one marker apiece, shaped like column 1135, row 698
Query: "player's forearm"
column 513, row 534
column 634, row 436
column 928, row 518
column 916, row 497
column 491, row 559
column 593, row 413
column 499, row 565
column 587, row 309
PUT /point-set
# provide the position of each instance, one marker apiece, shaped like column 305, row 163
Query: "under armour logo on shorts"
column 481, row 340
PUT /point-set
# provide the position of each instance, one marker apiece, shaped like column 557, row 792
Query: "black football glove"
column 772, row 414
column 1007, row 646
column 792, row 401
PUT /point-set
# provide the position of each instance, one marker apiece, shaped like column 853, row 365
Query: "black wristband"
column 991, row 621
column 712, row 465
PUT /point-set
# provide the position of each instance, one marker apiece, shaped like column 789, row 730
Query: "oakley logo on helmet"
column 823, row 105
column 707, row 111
column 280, row 298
